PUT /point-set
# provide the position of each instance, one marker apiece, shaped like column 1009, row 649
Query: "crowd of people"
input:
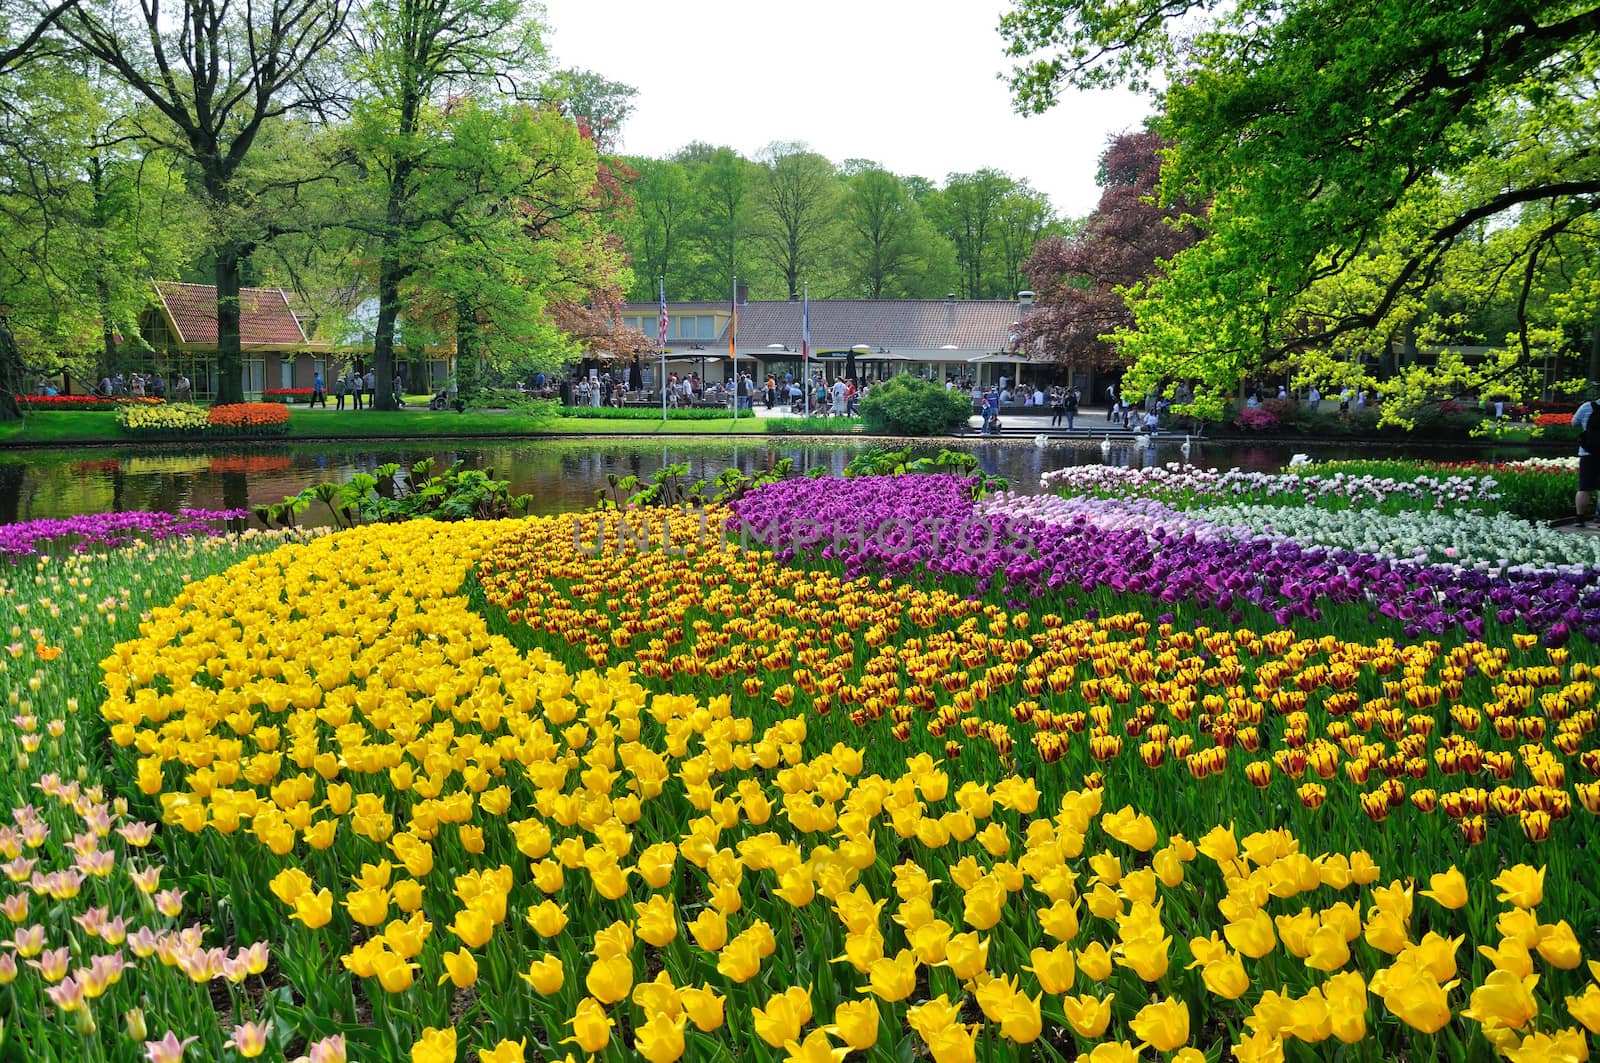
column 135, row 386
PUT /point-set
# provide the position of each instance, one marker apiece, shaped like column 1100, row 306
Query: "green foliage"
column 390, row 494
column 1380, row 178
column 813, row 426
column 908, row 405
column 669, row 486
column 636, row 413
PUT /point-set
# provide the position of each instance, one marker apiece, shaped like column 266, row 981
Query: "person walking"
column 1111, row 403
column 1058, row 406
column 1588, row 426
column 341, row 384
column 356, row 387
column 317, row 393
column 1069, row 406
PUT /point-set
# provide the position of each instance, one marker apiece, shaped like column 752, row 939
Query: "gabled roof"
column 893, row 324
column 265, row 317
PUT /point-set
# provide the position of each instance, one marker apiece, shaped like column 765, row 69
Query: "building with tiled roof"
column 266, row 321
column 938, row 338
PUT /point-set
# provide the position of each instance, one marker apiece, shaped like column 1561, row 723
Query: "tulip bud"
column 134, row 1019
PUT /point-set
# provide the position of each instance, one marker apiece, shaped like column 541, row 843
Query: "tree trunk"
column 12, row 373
column 468, row 379
column 230, row 359
column 391, row 272
column 1594, row 352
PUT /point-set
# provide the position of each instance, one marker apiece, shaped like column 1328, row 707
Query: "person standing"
column 1313, row 398
column 357, row 386
column 317, row 392
column 341, row 384
column 1111, row 403
column 372, row 389
column 1588, row 426
column 1069, row 406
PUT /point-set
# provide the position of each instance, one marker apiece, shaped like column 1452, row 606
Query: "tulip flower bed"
column 83, row 402
column 1407, row 487
column 103, row 949
column 478, row 850
column 181, row 421
column 102, row 530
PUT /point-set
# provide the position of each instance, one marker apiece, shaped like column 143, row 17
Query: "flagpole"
column 805, row 343
column 661, row 338
column 733, row 342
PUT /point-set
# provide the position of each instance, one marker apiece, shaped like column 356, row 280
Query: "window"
column 254, row 374
column 286, row 370
column 697, row 327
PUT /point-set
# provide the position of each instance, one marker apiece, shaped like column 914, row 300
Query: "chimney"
column 743, row 291
column 1024, row 300
column 949, row 298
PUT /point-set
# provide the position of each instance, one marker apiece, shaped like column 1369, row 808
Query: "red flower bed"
column 286, row 394
column 1553, row 420
column 81, row 402
column 249, row 417
column 251, row 463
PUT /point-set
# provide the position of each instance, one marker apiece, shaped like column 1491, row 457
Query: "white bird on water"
column 1041, row 441
column 1141, row 440
column 1299, row 460
column 1105, row 445
column 1185, row 448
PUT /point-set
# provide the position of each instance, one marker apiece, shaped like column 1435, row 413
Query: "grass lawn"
column 62, row 427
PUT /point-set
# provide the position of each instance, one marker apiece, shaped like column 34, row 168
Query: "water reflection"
column 560, row 474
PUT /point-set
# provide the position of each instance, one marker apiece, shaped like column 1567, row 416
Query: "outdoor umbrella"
column 635, row 377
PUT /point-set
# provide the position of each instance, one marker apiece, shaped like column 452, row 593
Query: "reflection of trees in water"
column 561, row 475
column 11, row 476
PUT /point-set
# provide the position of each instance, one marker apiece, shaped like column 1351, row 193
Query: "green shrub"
column 640, row 413
column 812, row 426
column 907, row 405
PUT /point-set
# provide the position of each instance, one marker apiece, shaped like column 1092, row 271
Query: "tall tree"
column 721, row 181
column 663, row 211
column 594, row 102
column 878, row 220
column 413, row 54
column 215, row 74
column 1079, row 280
column 967, row 211
column 1023, row 217
column 1324, row 132
column 794, row 199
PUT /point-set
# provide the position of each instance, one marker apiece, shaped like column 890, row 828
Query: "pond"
column 562, row 475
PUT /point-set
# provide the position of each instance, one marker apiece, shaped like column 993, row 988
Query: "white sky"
column 908, row 83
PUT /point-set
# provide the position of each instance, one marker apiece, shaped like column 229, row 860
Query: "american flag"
column 661, row 323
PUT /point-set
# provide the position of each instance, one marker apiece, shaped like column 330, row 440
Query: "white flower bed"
column 1460, row 538
column 1190, row 481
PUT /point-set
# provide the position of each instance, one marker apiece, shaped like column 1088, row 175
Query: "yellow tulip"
column 435, row 1046
column 1053, row 968
column 1163, row 1025
column 704, row 1006
column 967, row 955
column 1094, row 961
column 547, row 919
column 1504, row 1001
column 1347, row 1006
column 1521, row 885
column 660, row 1039
column 1226, row 976
column 546, row 975
column 855, row 1022
column 504, row 1052
column 1087, row 1015
column 709, row 930
column 893, row 979
column 315, row 910
column 785, row 1015
column 591, row 1026
column 656, row 922
column 473, row 926
column 814, row 1049
column 460, row 968
column 609, row 979
column 393, row 973
column 1448, row 889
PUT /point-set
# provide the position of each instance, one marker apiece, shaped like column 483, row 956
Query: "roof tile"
column 265, row 318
